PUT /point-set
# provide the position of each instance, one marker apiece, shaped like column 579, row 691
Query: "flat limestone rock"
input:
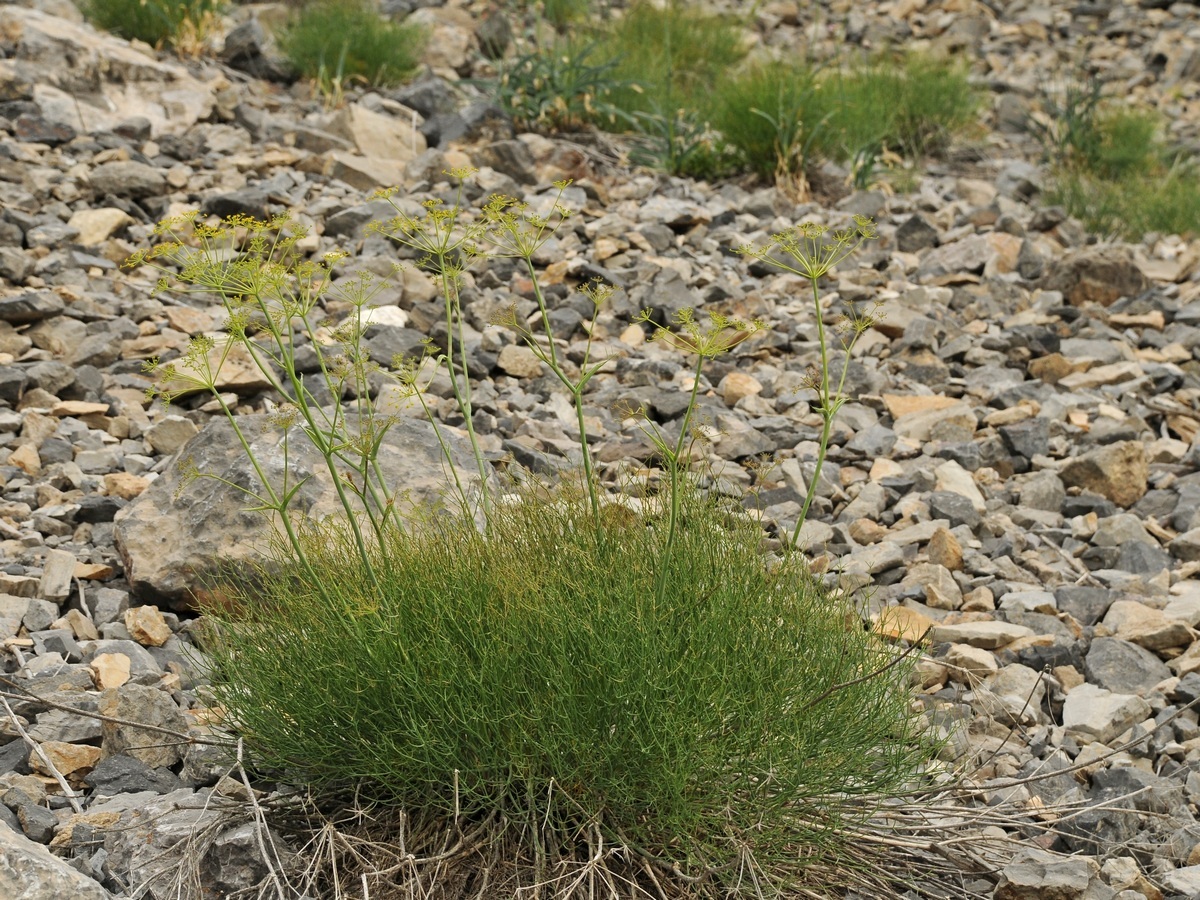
column 172, row 545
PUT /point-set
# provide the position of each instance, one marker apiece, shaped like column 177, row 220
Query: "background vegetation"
column 336, row 42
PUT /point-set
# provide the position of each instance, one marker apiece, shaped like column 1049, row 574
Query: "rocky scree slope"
column 1018, row 468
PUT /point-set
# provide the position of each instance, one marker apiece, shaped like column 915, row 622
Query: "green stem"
column 280, row 507
column 674, row 470
column 588, row 472
column 541, row 302
column 462, row 392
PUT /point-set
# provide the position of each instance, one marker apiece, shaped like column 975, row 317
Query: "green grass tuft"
column 336, row 42
column 538, row 674
column 156, row 22
column 1113, row 171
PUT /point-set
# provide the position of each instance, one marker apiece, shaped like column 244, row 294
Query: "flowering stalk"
column 805, row 251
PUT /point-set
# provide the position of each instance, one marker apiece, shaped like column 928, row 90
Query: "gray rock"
column 1029, row 438
column 1087, row 605
column 168, row 545
column 1101, row 275
column 31, row 307
column 37, row 822
column 916, row 233
column 145, row 706
column 1094, row 714
column 128, row 179
column 29, row 871
column 1035, row 874
column 127, row 775
column 1123, row 667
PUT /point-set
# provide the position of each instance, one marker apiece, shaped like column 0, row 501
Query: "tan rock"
column 26, row 459
column 93, row 571
column 109, row 670
column 1116, row 471
column 519, row 361
column 124, row 485
column 77, row 408
column 365, row 173
column 68, row 759
column 1054, row 367
column 945, row 550
column 970, row 665
column 954, row 478
column 953, row 422
column 57, row 572
column 1099, row 376
column 189, row 320
column 902, row 623
column 902, row 404
column 378, row 135
column 79, row 624
column 1132, row 621
column 97, row 225
column 736, row 385
column 147, row 626
column 866, row 531
column 987, row 635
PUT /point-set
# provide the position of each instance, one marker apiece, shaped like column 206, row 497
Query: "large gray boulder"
column 29, row 871
column 173, row 538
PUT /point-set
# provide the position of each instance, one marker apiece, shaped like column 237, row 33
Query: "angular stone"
column 97, row 225
column 29, row 871
column 110, row 670
column 954, row 478
column 1035, row 874
column 128, row 179
column 519, row 362
column 170, row 433
column 902, row 623
column 736, row 385
column 1091, row 713
column 147, row 626
column 1137, row 623
column 945, row 550
column 1117, row 471
column 146, row 706
column 1101, row 274
column 57, row 573
column 970, row 665
column 987, row 635
column 169, row 544
column 952, row 423
column 1123, row 667
column 71, row 760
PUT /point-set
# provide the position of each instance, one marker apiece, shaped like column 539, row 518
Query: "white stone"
column 1093, row 714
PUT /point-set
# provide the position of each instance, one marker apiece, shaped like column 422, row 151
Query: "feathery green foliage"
column 340, row 41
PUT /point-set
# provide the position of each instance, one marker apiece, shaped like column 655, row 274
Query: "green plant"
column 770, row 114
column 534, row 688
column 349, row 40
column 1111, row 169
column 668, row 58
column 1068, row 129
column 156, row 22
column 556, row 88
column 576, row 674
column 272, row 297
column 806, row 252
column 909, row 105
column 679, row 143
column 563, row 13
